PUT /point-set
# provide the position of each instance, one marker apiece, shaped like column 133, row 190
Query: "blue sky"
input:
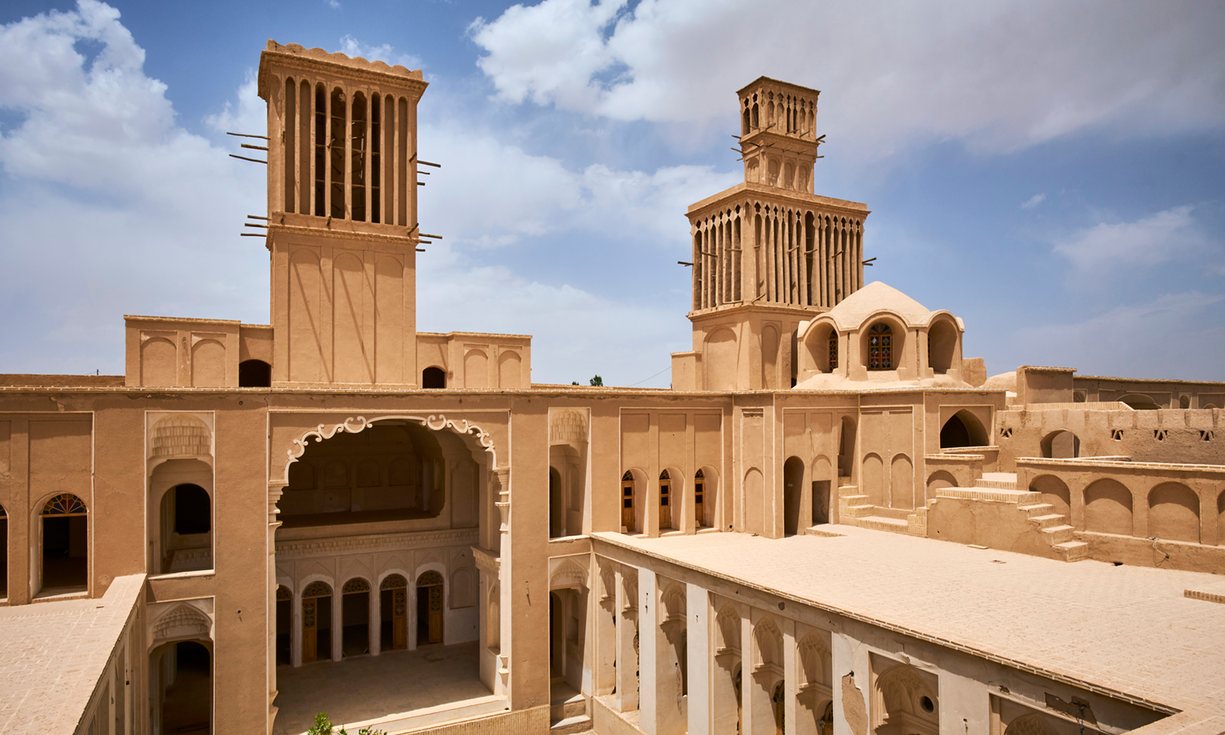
column 1052, row 173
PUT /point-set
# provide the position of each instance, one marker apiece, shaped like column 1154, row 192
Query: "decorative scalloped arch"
column 182, row 622
column 568, row 574
column 358, row 424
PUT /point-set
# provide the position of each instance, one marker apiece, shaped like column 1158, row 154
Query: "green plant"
column 597, row 380
column 323, row 726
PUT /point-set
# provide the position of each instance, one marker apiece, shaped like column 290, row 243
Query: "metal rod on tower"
column 253, row 147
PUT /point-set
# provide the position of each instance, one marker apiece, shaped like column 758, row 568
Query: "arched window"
column 627, row 502
column 393, row 613
column 880, row 347
column 433, row 378
column 65, row 545
column 665, row 501
column 963, row 429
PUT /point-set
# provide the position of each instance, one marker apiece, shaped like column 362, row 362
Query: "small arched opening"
column 846, row 448
column 64, row 529
column 430, row 596
column 942, row 346
column 187, row 519
column 822, row 345
column 1060, row 445
column 433, row 378
column 962, row 429
column 254, row 374
column 699, row 499
column 1054, row 492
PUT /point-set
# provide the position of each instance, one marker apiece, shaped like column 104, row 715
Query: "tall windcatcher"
column 342, row 209
column 767, row 253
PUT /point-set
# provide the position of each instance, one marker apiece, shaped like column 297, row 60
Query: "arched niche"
column 793, row 493
column 1173, row 513
column 1140, row 402
column 939, row 480
column 1108, row 507
column 719, row 360
column 822, row 344
column 963, row 429
column 1054, row 492
column 943, row 342
column 1060, row 444
column 433, row 378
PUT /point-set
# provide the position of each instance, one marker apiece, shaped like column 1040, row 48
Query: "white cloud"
column 1159, row 238
column 384, row 52
column 1000, row 77
column 112, row 207
column 1034, row 201
column 1174, row 335
column 548, row 52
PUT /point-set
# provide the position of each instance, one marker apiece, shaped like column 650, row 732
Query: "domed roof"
column 852, row 311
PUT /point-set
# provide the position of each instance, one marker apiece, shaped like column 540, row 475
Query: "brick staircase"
column 855, row 510
column 568, row 711
column 1001, row 487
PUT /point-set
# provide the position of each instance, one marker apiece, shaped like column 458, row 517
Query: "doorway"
column 393, row 613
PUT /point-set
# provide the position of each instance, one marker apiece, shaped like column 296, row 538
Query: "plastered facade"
column 337, row 485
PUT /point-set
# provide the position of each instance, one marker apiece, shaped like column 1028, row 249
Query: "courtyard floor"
column 397, row 690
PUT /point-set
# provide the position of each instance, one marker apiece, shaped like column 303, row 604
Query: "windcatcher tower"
column 767, row 253
column 342, row 217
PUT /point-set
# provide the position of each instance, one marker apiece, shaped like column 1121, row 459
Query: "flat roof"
column 1123, row 630
column 54, row 654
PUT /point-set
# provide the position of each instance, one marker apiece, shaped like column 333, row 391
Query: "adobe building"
column 833, row 522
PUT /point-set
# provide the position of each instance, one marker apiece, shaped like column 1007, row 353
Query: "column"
column 295, row 629
column 605, row 658
column 850, row 682
column 627, row 631
column 375, row 620
column 648, row 653
column 700, row 658
column 337, row 628
column 791, row 675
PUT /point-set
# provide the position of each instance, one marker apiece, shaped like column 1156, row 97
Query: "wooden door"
column 665, row 505
column 435, row 608
column 399, row 618
column 627, row 503
column 309, row 638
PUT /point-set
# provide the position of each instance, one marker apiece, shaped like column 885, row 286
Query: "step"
column 1050, row 520
column 1072, row 550
column 1000, row 483
column 989, row 494
column 881, row 523
column 1040, row 508
column 570, row 725
column 858, row 511
column 1058, row 534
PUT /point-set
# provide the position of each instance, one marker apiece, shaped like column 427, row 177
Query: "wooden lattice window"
column 354, row 586
column 429, row 579
column 316, row 589
column 393, row 582
column 833, row 350
column 64, row 504
column 699, row 487
column 880, row 347
column 627, row 491
column 665, row 488
column 283, row 594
